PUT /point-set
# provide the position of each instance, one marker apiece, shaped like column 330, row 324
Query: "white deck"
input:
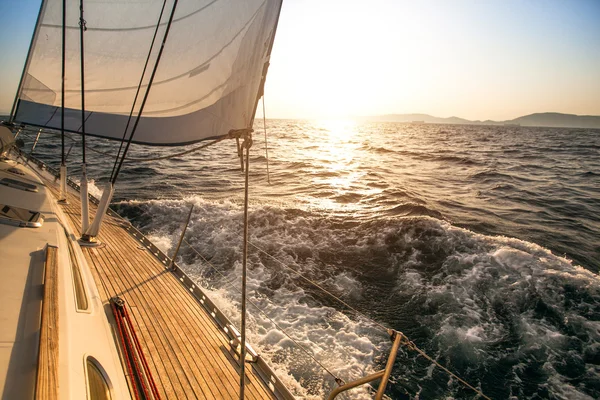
column 82, row 333
column 22, row 255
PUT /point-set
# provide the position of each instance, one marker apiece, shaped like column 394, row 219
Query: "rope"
column 122, row 337
column 138, row 347
column 129, row 159
column 87, row 146
column 263, row 313
column 266, row 143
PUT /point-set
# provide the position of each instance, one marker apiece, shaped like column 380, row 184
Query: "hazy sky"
column 473, row 59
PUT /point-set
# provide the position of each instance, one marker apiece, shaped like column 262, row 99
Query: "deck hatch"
column 15, row 184
column 16, row 171
column 81, row 299
column 16, row 216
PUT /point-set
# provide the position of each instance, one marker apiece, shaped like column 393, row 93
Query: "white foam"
column 163, row 242
column 476, row 274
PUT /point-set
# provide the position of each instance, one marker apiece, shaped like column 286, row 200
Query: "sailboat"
column 91, row 308
column 86, row 312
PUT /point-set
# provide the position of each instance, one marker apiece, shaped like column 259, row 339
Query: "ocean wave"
column 412, row 209
column 482, row 305
column 509, row 316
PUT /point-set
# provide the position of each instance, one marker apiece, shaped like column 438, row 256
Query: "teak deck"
column 188, row 354
column 47, row 377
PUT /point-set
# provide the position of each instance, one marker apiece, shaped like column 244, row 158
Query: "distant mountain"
column 426, row 118
column 548, row 119
column 559, row 120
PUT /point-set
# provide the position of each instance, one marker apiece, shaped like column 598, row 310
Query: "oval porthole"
column 98, row 387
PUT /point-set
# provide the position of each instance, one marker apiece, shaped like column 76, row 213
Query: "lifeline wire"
column 385, row 329
column 264, row 313
column 411, row 345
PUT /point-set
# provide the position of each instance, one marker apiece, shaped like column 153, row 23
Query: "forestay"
column 207, row 82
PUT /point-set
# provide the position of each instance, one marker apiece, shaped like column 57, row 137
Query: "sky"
column 488, row 59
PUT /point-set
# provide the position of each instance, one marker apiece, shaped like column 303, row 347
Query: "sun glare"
column 337, row 150
column 339, row 129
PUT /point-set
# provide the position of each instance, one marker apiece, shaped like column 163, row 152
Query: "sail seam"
column 136, row 28
column 187, row 73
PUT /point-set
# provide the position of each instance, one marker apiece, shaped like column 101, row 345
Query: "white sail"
column 206, row 84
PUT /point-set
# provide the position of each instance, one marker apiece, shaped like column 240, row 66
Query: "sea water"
column 480, row 243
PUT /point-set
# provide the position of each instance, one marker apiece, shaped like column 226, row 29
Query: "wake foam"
column 493, row 309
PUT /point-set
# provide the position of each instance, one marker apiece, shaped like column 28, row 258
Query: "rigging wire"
column 62, row 84
column 139, row 87
column 266, row 143
column 82, row 28
column 384, row 328
column 247, row 144
column 409, row 343
column 414, row 347
column 137, row 120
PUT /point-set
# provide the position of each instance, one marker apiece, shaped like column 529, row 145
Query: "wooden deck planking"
column 171, row 322
column 47, row 374
column 183, row 299
column 204, row 357
column 188, row 354
column 161, row 329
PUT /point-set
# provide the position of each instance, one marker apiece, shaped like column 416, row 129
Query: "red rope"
column 133, row 352
column 123, row 346
column 135, row 357
column 142, row 356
